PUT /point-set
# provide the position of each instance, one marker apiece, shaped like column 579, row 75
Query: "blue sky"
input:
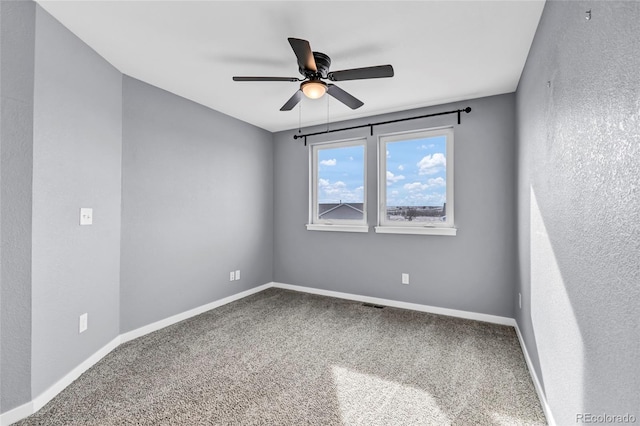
column 415, row 173
column 341, row 175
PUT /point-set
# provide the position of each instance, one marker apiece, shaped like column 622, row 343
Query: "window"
column 338, row 195
column 415, row 182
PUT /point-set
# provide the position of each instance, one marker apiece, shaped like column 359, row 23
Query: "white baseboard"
column 16, row 414
column 403, row 305
column 138, row 332
column 46, row 396
column 536, row 381
column 441, row 311
column 41, row 400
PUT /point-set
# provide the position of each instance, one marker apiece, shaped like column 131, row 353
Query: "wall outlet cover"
column 86, row 216
column 83, row 323
column 520, row 300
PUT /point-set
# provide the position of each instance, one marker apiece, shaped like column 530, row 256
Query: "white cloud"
column 333, row 192
column 430, row 146
column 415, row 186
column 331, row 162
column 419, row 186
column 416, row 199
column 334, row 188
column 388, row 155
column 401, row 167
column 436, row 182
column 391, row 178
column 432, row 164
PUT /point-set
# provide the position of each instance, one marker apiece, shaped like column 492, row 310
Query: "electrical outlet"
column 83, row 324
column 237, row 274
column 232, row 276
column 86, row 216
column 520, row 300
column 405, row 278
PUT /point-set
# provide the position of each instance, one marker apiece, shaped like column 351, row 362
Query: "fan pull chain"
column 300, row 117
column 327, row 112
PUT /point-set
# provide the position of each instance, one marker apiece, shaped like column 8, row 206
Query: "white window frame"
column 340, row 225
column 437, row 228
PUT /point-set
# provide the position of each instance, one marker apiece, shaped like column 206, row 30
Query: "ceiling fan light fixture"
column 313, row 89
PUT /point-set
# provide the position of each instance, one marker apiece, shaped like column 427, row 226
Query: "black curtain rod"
column 370, row 125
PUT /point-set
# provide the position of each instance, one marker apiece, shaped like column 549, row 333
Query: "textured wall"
column 578, row 207
column 473, row 271
column 17, row 26
column 197, row 192
column 76, row 163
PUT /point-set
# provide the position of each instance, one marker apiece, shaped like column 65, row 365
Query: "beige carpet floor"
column 286, row 358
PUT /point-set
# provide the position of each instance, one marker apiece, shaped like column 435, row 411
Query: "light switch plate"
column 237, row 274
column 86, row 216
column 405, row 278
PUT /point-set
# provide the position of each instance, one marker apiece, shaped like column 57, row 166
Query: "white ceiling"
column 441, row 51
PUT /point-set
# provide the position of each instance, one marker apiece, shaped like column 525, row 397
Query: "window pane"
column 340, row 185
column 417, row 180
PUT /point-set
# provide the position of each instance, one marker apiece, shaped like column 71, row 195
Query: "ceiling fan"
column 314, row 66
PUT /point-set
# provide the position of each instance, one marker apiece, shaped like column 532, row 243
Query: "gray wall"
column 197, row 192
column 17, row 30
column 578, row 207
column 76, row 163
column 473, row 271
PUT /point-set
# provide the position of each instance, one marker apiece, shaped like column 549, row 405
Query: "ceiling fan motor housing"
column 323, row 62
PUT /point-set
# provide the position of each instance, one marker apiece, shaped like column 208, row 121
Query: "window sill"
column 337, row 228
column 415, row 230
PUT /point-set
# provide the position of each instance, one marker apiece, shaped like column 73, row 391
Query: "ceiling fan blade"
column 265, row 79
column 304, row 54
column 344, row 97
column 293, row 101
column 380, row 71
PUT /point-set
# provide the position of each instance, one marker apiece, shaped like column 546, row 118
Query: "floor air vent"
column 371, row 305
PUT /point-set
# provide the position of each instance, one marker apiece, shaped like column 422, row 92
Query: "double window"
column 415, row 184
